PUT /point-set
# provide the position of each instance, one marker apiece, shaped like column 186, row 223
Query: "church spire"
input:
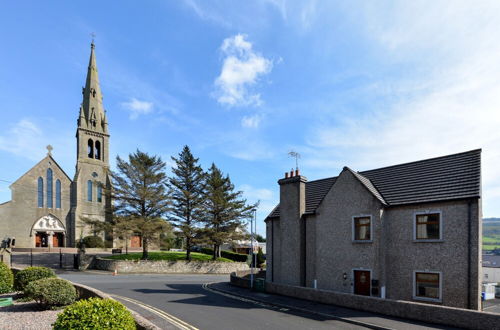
column 92, row 114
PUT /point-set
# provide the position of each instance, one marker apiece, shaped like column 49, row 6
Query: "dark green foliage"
column 260, row 238
column 140, row 195
column 238, row 257
column 224, row 210
column 6, row 278
column 31, row 274
column 167, row 255
column 93, row 242
column 95, row 313
column 50, row 292
column 187, row 190
column 260, row 257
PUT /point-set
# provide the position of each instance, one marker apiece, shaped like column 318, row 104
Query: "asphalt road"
column 183, row 297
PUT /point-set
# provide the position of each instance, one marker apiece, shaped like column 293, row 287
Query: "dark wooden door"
column 362, row 282
column 135, row 241
column 58, row 240
column 38, row 240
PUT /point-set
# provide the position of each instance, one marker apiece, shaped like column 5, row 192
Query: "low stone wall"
column 457, row 317
column 168, row 267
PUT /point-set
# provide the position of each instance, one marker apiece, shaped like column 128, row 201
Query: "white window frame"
column 424, row 240
column 353, row 229
column 415, row 297
column 354, row 279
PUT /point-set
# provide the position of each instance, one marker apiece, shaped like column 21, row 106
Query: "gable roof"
column 451, row 177
column 38, row 164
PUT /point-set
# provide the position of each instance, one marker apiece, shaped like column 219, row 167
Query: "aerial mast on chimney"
column 295, row 155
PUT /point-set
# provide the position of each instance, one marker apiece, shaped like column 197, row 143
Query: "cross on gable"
column 49, row 149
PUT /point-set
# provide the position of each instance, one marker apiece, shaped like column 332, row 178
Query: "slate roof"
column 451, row 177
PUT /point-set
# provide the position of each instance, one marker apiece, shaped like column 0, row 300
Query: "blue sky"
column 346, row 83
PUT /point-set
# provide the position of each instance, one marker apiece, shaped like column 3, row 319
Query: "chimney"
column 291, row 172
column 286, row 175
column 292, row 195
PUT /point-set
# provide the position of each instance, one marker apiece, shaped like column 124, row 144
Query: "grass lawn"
column 166, row 255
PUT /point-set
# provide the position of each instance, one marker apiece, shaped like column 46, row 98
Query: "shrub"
column 95, row 313
column 227, row 254
column 6, row 278
column 31, row 274
column 50, row 292
column 93, row 242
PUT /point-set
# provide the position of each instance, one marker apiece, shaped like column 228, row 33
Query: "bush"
column 50, row 292
column 31, row 274
column 227, row 254
column 95, row 313
column 6, row 278
column 93, row 242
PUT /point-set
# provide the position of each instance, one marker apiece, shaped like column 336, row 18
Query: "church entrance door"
column 41, row 240
column 58, row 240
column 135, row 241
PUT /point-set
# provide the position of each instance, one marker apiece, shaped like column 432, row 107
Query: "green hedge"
column 6, row 278
column 50, row 292
column 31, row 274
column 93, row 242
column 95, row 313
column 227, row 254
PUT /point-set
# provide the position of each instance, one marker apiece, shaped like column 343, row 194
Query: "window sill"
column 428, row 240
column 434, row 300
column 362, row 241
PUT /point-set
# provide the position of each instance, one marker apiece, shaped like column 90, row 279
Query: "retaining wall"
column 166, row 267
column 457, row 317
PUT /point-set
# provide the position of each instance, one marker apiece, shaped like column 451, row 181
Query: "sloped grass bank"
column 166, row 256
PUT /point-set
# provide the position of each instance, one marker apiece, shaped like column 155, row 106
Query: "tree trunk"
column 144, row 249
column 188, row 249
column 126, row 245
column 219, row 251
column 214, row 254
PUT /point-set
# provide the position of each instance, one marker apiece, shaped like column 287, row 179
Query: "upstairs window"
column 58, row 194
column 99, row 193
column 49, row 188
column 89, row 191
column 97, row 149
column 362, row 228
column 428, row 226
column 90, row 148
column 427, row 286
column 40, row 192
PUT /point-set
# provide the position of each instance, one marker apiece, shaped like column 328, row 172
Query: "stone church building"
column 46, row 206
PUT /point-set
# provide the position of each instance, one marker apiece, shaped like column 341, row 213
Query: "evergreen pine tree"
column 187, row 190
column 224, row 210
column 140, row 195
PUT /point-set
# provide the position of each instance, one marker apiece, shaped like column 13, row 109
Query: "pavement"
column 188, row 301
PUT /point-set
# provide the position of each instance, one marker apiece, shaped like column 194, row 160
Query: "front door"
column 362, row 282
column 135, row 241
column 41, row 240
column 58, row 240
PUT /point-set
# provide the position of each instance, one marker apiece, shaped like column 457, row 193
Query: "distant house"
column 407, row 232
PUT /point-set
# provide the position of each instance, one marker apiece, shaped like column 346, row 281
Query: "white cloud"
column 241, row 69
column 266, row 198
column 25, row 139
column 138, row 107
column 449, row 103
column 251, row 121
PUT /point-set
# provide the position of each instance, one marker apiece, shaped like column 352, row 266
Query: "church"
column 47, row 206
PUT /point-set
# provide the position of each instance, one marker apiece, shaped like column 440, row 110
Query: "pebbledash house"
column 406, row 232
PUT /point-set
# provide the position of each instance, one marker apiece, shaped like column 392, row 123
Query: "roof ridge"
column 424, row 160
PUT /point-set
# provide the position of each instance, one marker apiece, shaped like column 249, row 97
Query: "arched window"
column 40, row 192
column 89, row 191
column 99, row 193
column 49, row 188
column 90, row 148
column 97, row 149
column 58, row 194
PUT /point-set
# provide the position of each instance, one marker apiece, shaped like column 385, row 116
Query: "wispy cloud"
column 266, row 198
column 241, row 69
column 24, row 138
column 251, row 121
column 137, row 107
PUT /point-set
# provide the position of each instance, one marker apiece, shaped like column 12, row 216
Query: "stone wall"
column 457, row 317
column 166, row 267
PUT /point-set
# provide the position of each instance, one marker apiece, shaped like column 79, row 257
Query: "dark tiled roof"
column 444, row 178
column 491, row 260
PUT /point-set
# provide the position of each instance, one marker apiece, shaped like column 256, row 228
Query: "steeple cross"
column 49, row 149
column 93, row 36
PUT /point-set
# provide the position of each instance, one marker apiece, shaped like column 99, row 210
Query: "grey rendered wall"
column 449, row 256
column 336, row 252
column 24, row 210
